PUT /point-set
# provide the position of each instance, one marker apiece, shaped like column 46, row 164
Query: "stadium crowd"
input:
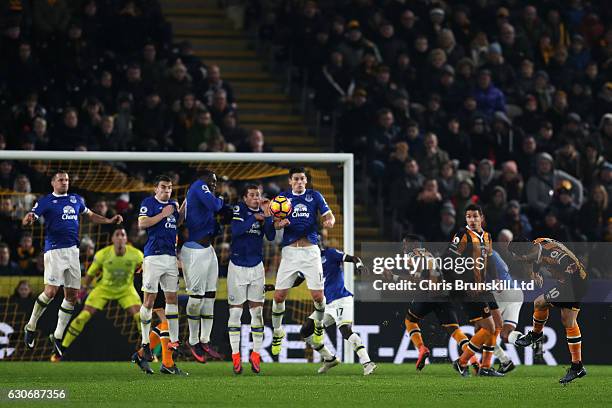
column 503, row 103
column 506, row 104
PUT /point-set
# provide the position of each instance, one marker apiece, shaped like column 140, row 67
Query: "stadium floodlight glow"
column 344, row 159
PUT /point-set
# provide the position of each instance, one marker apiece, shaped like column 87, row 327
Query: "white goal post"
column 345, row 159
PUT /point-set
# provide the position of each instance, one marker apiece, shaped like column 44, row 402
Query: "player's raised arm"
column 34, row 213
column 206, row 196
column 99, row 219
column 359, row 266
column 145, row 221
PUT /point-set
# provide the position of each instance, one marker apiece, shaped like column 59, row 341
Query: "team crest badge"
column 73, row 199
column 308, row 198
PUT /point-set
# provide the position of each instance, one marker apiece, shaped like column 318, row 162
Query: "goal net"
column 116, row 182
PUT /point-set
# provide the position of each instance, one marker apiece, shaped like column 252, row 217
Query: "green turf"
column 298, row 385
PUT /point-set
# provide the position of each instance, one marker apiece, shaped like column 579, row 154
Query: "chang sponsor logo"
column 170, row 222
column 69, row 213
column 300, row 210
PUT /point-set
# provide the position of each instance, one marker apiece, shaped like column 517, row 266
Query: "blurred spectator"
column 355, row 46
column 152, row 123
column 23, row 297
column 592, row 164
column 566, row 211
column 404, row 190
column 495, row 210
column 445, row 229
column 7, row 175
column 335, row 84
column 380, row 139
column 594, row 214
column 484, row 182
column 427, row 207
column 354, row 122
column 489, row 99
column 174, row 86
column 454, row 140
column 541, row 186
column 151, row 68
column 231, row 130
column 255, row 143
column 553, row 228
column 24, row 201
column 511, row 180
column 568, row 159
column 218, row 144
column 70, row 134
column 219, row 107
column 448, row 181
column 516, row 221
column 214, row 83
column 433, row 157
column 545, row 138
column 464, row 197
column 527, row 157
column 26, row 254
column 201, row 132
column 107, row 137
column 7, row 266
column 10, row 227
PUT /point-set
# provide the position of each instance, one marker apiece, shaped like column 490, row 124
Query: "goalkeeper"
column 118, row 263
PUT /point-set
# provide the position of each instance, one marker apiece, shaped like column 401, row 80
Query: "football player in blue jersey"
column 200, row 265
column 159, row 216
column 61, row 211
column 246, row 276
column 338, row 311
column 509, row 302
column 300, row 252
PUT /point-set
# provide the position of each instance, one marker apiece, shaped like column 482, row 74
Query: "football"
column 280, row 207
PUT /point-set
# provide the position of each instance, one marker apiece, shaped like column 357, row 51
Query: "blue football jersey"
column 161, row 237
column 247, row 236
column 333, row 274
column 305, row 209
column 503, row 272
column 61, row 216
column 200, row 211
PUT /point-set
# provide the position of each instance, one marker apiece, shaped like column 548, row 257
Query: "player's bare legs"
column 489, row 344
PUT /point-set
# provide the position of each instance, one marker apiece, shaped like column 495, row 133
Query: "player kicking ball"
column 572, row 285
column 61, row 212
column 246, row 276
column 300, row 252
column 118, row 263
column 159, row 215
column 338, row 311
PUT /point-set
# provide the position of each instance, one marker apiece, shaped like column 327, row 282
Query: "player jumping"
column 200, row 265
column 338, row 311
column 158, row 216
column 245, row 274
column 300, row 252
column 61, row 212
column 572, row 285
column 118, row 263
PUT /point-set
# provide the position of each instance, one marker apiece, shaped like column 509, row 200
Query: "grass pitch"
column 298, row 385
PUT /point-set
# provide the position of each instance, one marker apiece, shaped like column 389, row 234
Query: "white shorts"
column 300, row 259
column 160, row 270
column 510, row 303
column 200, row 270
column 339, row 312
column 62, row 267
column 245, row 283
